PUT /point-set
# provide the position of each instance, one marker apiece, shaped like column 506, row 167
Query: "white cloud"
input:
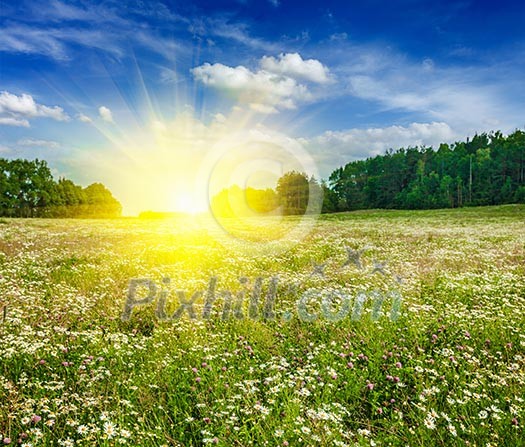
column 104, row 12
column 440, row 95
column 15, row 110
column 168, row 76
column 293, row 65
column 470, row 99
column 219, row 118
column 25, row 105
column 264, row 91
column 55, row 26
column 263, row 108
column 41, row 143
column 10, row 121
column 166, row 47
column 236, row 32
column 84, row 118
column 20, row 39
column 55, row 42
column 56, row 113
column 338, row 36
column 274, row 86
column 58, row 11
column 105, row 114
column 427, row 64
column 336, row 148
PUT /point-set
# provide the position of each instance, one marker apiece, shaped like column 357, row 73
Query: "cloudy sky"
column 141, row 94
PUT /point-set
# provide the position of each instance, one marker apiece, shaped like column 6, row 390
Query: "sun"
column 184, row 202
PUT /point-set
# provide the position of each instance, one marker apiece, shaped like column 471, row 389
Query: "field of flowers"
column 447, row 369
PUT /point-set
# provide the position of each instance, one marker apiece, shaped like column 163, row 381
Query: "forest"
column 488, row 169
column 28, row 189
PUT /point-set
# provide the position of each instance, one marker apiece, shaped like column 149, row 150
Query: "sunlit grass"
column 450, row 370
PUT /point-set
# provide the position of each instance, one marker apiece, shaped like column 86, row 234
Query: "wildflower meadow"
column 448, row 370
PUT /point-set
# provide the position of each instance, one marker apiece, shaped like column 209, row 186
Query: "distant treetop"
column 27, row 189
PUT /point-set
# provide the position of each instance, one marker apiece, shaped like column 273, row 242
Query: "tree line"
column 28, row 189
column 291, row 196
column 488, row 169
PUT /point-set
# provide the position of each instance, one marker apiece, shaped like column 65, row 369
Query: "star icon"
column 354, row 257
column 379, row 267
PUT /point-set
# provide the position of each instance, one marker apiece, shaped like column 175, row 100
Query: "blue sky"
column 135, row 93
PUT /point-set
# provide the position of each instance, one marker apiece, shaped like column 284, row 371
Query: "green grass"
column 449, row 371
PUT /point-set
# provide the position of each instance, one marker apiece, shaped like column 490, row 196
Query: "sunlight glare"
column 183, row 202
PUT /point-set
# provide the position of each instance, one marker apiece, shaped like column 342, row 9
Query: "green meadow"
column 446, row 369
